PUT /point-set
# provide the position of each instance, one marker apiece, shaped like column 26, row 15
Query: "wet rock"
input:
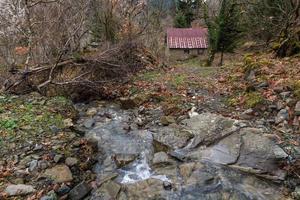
column 80, row 191
column 167, row 120
column 123, row 159
column 172, row 136
column 71, row 161
column 59, row 174
column 208, row 128
column 167, row 185
column 91, row 112
column 282, row 115
column 58, row 158
column 20, row 189
column 89, row 123
column 109, row 189
column 297, row 108
column 147, row 189
column 161, row 158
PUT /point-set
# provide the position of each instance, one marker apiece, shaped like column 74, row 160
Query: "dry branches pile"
column 83, row 76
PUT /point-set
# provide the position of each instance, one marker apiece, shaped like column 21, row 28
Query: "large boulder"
column 208, row 128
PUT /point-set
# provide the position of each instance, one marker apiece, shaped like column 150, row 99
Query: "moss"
column 178, row 80
column 253, row 99
column 149, row 76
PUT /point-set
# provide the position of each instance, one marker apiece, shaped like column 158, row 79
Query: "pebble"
column 89, row 123
column 57, row 158
column 19, row 189
column 282, row 115
column 70, row 161
column 80, row 191
column 33, row 165
column 297, row 108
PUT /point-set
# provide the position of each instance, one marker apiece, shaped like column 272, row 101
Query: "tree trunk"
column 222, row 57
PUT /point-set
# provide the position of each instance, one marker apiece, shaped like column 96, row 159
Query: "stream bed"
column 205, row 157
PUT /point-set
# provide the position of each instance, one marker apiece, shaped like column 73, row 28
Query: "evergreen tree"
column 224, row 29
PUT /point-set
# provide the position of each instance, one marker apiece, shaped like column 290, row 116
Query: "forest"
column 149, row 99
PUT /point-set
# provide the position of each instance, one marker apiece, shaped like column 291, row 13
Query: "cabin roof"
column 187, row 38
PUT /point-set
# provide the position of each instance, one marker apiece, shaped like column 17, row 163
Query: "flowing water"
column 129, row 151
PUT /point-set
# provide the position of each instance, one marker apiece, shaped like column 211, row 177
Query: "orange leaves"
column 21, row 51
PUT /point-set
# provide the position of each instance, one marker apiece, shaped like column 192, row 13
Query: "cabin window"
column 186, row 51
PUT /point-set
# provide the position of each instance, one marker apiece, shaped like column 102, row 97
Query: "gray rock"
column 297, row 108
column 123, row 159
column 33, row 165
column 64, row 189
column 80, row 191
column 89, row 123
column 208, row 128
column 296, row 193
column 160, row 158
column 282, row 115
column 172, row 136
column 260, row 152
column 50, row 196
column 59, row 174
column 20, row 189
column 70, row 161
column 91, row 112
column 43, row 164
column 54, row 129
column 285, row 95
column 166, row 120
column 57, row 158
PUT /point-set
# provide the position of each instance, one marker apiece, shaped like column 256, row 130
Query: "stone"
column 71, row 161
column 282, row 115
column 19, row 189
column 43, row 164
column 130, row 102
column 54, row 129
column 285, row 95
column 91, row 112
column 186, row 170
column 68, row 123
column 80, row 191
column 64, row 189
column 225, row 152
column 250, row 76
column 247, row 114
column 109, row 189
column 50, row 196
column 57, row 158
column 59, row 174
column 297, row 108
column 171, row 136
column 260, row 152
column 263, row 85
column 33, row 165
column 208, row 128
column 160, row 158
column 122, row 160
column 89, row 123
column 296, row 193
column 167, row 120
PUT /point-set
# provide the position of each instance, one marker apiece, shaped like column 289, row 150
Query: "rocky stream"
column 144, row 155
